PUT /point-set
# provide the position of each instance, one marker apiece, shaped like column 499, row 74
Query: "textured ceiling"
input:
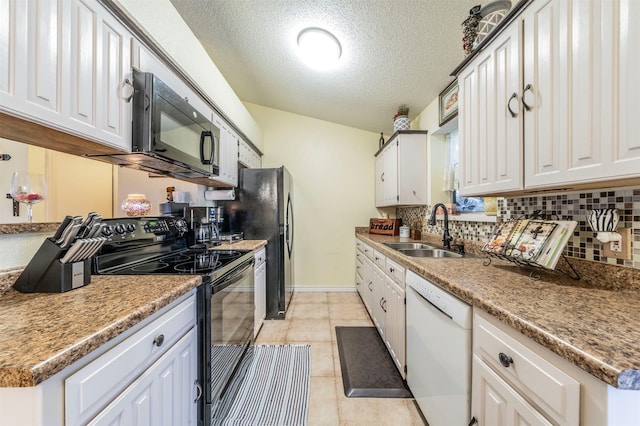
column 393, row 52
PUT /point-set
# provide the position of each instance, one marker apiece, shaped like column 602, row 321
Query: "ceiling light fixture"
column 319, row 48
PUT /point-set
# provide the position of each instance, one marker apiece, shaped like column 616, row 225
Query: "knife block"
column 45, row 273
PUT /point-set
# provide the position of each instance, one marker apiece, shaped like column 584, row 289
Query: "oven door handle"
column 232, row 278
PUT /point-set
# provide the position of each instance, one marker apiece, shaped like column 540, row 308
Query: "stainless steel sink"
column 406, row 246
column 431, row 252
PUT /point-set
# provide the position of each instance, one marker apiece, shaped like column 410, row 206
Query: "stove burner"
column 150, row 267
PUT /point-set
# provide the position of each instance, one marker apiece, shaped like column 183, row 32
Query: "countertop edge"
column 621, row 379
column 15, row 377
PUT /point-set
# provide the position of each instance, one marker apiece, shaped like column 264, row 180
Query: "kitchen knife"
column 95, row 230
column 73, row 251
column 86, row 225
column 68, row 239
column 74, row 221
column 95, row 247
column 65, row 222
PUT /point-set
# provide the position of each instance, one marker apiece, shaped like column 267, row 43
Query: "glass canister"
column 136, row 205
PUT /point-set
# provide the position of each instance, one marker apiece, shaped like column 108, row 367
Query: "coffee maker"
column 203, row 226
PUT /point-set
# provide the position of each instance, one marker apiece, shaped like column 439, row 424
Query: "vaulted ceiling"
column 393, row 52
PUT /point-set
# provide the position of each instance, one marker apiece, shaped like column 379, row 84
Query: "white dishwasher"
column 438, row 352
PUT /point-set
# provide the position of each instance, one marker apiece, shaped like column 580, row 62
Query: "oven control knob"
column 107, row 230
column 120, row 229
column 131, row 227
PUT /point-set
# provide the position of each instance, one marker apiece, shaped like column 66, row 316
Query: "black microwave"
column 174, row 137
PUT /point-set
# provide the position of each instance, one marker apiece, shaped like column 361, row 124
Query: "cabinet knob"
column 391, row 270
column 505, row 359
column 159, row 340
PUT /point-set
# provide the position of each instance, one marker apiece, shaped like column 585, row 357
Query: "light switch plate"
column 625, row 244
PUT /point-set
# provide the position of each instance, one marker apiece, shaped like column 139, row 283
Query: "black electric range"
column 226, row 309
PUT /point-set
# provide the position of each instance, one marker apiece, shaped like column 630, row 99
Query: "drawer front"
column 359, row 245
column 359, row 262
column 260, row 257
column 380, row 259
column 93, row 387
column 556, row 393
column 396, row 272
column 368, row 251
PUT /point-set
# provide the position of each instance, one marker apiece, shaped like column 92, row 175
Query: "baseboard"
column 323, row 289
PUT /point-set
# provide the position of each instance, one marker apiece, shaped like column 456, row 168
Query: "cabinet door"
column 260, row 277
column 412, row 169
column 380, row 201
column 228, row 156
column 13, row 57
column 163, row 395
column 490, row 119
column 394, row 323
column 391, row 174
column 377, row 300
column 495, row 403
column 581, row 73
column 41, row 86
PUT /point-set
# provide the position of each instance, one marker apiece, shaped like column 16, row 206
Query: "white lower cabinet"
column 516, row 381
column 496, row 403
column 380, row 283
column 151, row 373
column 260, row 294
column 163, row 395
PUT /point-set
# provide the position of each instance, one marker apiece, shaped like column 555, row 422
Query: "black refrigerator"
column 263, row 210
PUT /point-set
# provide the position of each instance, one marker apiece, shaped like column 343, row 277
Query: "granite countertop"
column 597, row 328
column 41, row 333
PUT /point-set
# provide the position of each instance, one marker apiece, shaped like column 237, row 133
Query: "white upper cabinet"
column 582, row 68
column 401, row 170
column 491, row 119
column 247, row 156
column 228, row 156
column 65, row 64
column 572, row 113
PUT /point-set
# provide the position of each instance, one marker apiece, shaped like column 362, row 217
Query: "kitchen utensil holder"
column 571, row 272
column 46, row 274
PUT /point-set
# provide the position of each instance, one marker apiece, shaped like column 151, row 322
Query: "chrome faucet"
column 446, row 237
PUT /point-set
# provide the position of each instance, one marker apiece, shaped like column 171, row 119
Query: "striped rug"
column 273, row 389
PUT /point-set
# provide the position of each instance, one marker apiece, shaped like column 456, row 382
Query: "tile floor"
column 312, row 319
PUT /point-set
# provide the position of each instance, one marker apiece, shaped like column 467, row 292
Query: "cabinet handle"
column 198, row 391
column 505, row 360
column 159, row 340
column 473, row 421
column 526, row 107
column 382, row 176
column 513, row 96
column 391, row 270
column 125, row 83
column 369, row 285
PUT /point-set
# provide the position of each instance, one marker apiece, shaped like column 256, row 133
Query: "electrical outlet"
column 620, row 249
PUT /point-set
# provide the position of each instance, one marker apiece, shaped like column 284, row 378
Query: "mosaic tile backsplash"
column 564, row 206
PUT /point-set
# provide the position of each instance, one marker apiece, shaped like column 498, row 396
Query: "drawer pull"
column 505, row 359
column 473, row 421
column 392, row 270
column 159, row 340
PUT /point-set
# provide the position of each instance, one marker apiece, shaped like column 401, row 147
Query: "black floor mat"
column 367, row 368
